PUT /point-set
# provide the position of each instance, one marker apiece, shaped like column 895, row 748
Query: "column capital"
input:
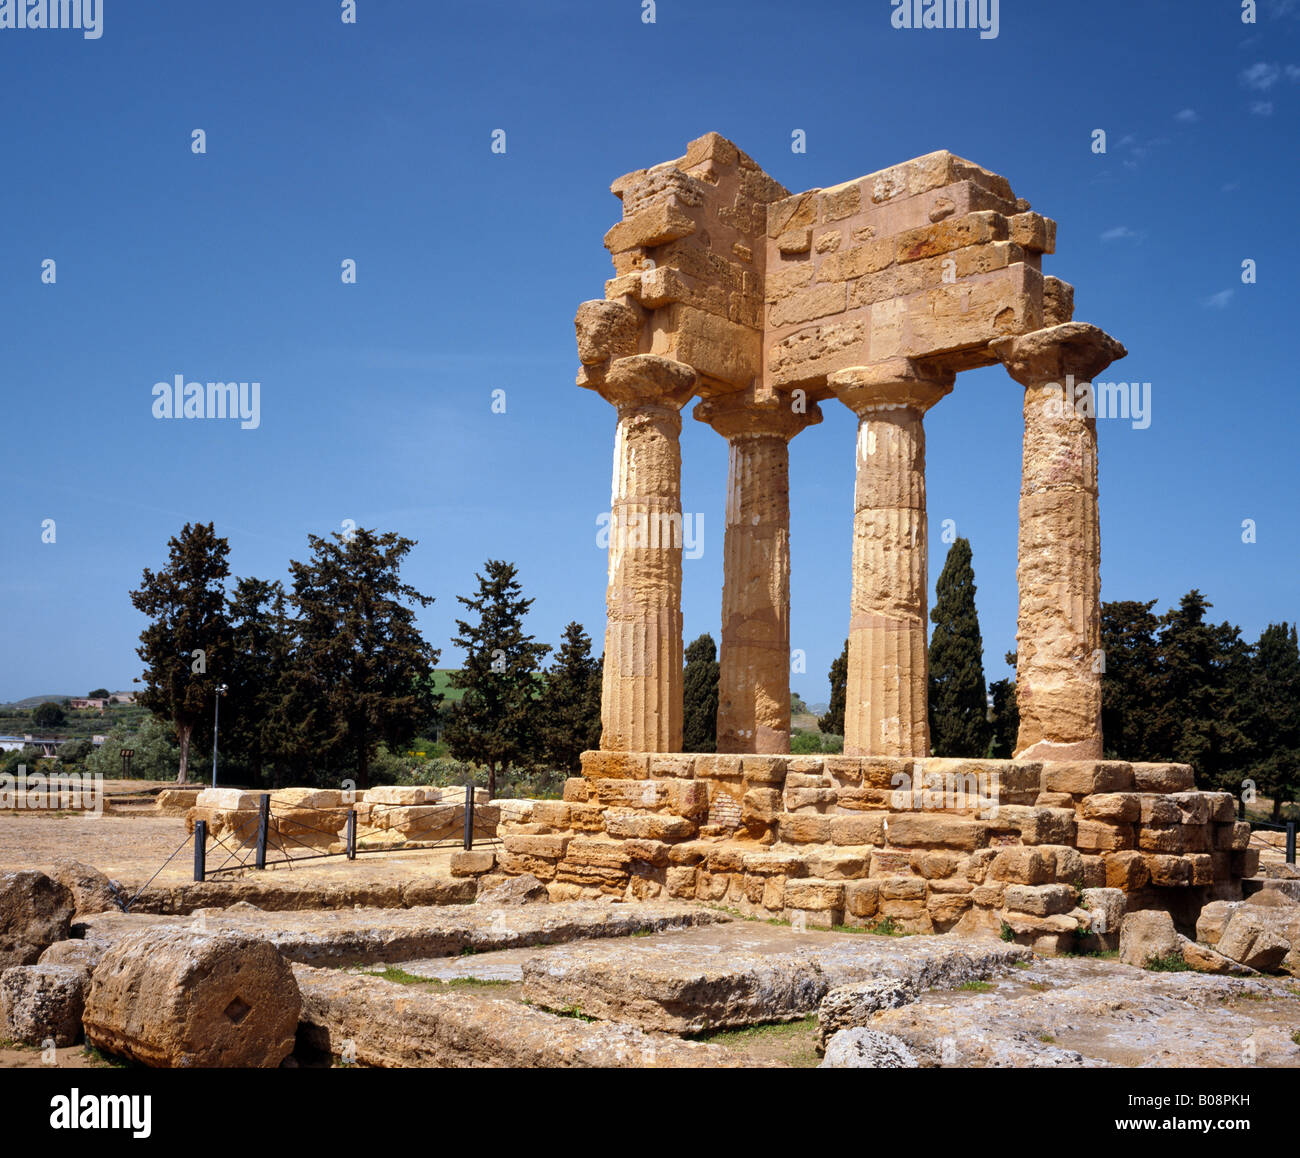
column 893, row 383
column 1052, row 354
column 757, row 413
column 645, row 381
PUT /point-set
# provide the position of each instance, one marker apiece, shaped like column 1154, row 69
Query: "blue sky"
column 372, row 142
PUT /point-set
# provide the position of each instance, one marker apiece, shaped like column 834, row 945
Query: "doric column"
column 641, row 701
column 886, row 699
column 754, row 663
column 1058, row 634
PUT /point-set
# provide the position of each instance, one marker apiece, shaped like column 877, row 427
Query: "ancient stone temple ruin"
column 876, row 293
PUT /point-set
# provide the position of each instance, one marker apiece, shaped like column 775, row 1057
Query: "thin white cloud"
column 1118, row 233
column 1219, row 301
column 1186, row 116
column 1261, row 76
column 1262, row 109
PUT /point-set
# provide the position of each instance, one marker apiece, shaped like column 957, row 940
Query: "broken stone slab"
column 382, row 1023
column 1262, row 936
column 42, row 1003
column 520, row 890
column 369, row 936
column 180, row 999
column 35, row 911
column 1090, row 1012
column 267, row 892
column 743, row 974
column 851, row 1006
column 866, row 1049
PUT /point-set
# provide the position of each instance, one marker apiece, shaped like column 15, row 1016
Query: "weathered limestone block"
column 35, row 911
column 1163, row 778
column 847, row 1006
column 935, row 830
column 1147, row 935
column 177, row 998
column 40, row 1003
column 1113, row 807
column 1039, row 900
column 92, row 891
column 1021, row 865
column 472, row 862
column 1107, row 907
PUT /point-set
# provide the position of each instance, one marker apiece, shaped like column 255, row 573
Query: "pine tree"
column 496, row 721
column 186, row 647
column 959, row 723
column 1272, row 712
column 566, row 704
column 1005, row 724
column 1198, row 711
column 360, row 668
column 1130, row 683
column 258, row 736
column 700, row 696
column 832, row 723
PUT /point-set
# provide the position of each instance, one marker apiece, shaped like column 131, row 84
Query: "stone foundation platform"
column 1048, row 854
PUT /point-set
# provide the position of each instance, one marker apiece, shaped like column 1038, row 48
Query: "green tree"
column 797, row 705
column 48, row 715
column 259, row 735
column 186, row 647
column 73, row 752
column 833, row 721
column 700, row 696
column 1130, row 682
column 959, row 723
column 1204, row 669
column 495, row 721
column 359, row 669
column 99, row 694
column 1005, row 713
column 1272, row 715
column 156, row 751
column 567, row 711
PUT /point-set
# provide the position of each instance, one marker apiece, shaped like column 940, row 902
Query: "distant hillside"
column 55, row 698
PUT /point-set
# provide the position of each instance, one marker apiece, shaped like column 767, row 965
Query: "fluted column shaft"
column 641, row 700
column 754, row 658
column 1058, row 631
column 886, row 697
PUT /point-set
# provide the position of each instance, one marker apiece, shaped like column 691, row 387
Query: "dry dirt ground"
column 131, row 848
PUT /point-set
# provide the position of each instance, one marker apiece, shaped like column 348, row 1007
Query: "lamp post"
column 216, row 723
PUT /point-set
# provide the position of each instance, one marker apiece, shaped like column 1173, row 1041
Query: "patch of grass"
column 573, row 1011
column 402, row 977
column 885, row 927
column 975, row 986
column 1006, row 932
column 1021, row 964
column 1046, row 1038
column 5, row 1043
column 1040, row 986
column 644, row 933
column 1096, row 954
column 1169, row 963
column 730, row 1035
column 1295, row 1037
column 106, row 1059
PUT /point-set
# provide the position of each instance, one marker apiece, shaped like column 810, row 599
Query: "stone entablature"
column 830, row 840
column 876, row 292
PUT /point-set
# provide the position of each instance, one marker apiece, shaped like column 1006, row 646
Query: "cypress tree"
column 700, row 695
column 832, row 723
column 958, row 704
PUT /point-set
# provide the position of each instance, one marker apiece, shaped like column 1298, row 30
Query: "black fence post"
column 263, row 828
column 1241, row 809
column 352, row 834
column 200, row 849
column 1290, row 842
column 469, row 815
